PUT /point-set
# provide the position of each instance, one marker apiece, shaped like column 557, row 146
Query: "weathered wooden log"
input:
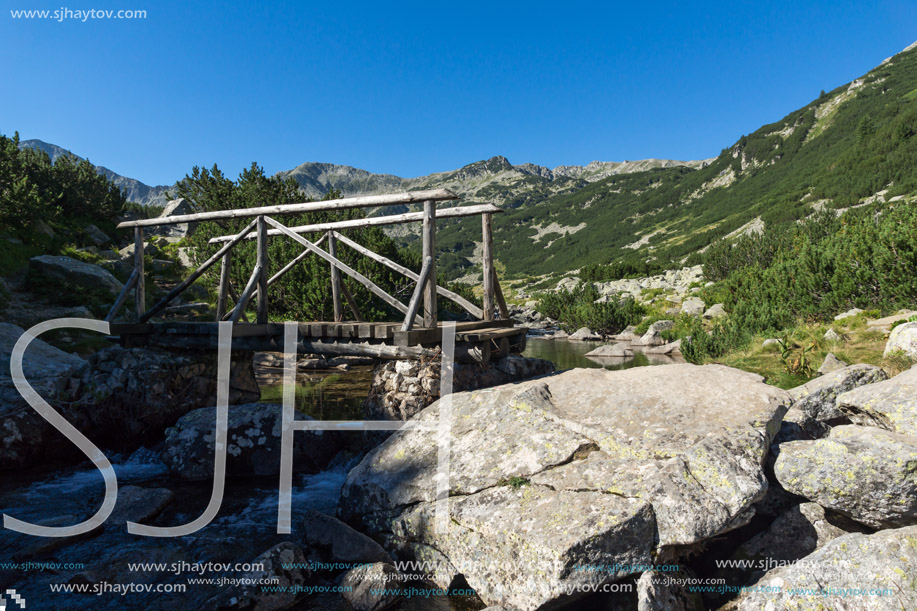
column 488, row 266
column 351, row 302
column 414, row 304
column 373, row 221
column 246, row 294
column 197, row 273
column 262, row 265
column 333, row 204
column 428, row 240
column 337, row 307
column 140, row 293
column 224, row 286
column 501, row 302
column 469, row 307
column 122, row 297
column 235, row 298
column 369, row 284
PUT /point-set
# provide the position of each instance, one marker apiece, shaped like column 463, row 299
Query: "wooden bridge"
column 416, row 336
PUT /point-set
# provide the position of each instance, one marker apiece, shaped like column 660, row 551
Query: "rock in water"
column 903, row 338
column 831, row 363
column 585, row 334
column 83, row 276
column 371, row 587
column 585, row 467
column 611, row 350
column 891, row 404
column 862, row 472
column 886, row 561
column 339, row 542
column 284, row 563
column 816, row 400
column 254, row 443
column 652, row 337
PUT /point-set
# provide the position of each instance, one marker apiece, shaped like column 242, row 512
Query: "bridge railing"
column 426, row 289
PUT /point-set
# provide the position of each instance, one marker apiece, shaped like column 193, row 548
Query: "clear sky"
column 415, row 88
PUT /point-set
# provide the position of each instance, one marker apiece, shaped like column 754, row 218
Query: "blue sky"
column 415, row 88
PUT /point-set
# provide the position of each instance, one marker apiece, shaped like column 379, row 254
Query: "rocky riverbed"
column 630, row 483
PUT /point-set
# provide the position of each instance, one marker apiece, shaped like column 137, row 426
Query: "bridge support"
column 140, row 292
column 487, row 265
column 429, row 251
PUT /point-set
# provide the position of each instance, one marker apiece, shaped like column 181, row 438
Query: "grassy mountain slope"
column 850, row 146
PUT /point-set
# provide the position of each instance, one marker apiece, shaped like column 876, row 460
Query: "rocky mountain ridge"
column 135, row 190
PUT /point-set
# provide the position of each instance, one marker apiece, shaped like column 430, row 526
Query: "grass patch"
column 514, row 482
column 861, row 345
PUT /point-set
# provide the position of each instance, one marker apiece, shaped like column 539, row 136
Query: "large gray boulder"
column 667, row 591
column 176, row 207
column 693, row 306
column 372, row 587
column 903, row 338
column 717, row 310
column 841, row 574
column 585, row 467
column 795, row 533
column 253, row 449
column 862, row 472
column 337, row 541
column 891, row 404
column 23, row 432
column 96, row 235
column 82, row 276
column 817, row 399
column 283, row 566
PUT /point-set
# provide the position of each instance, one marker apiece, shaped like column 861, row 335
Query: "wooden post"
column 488, row 266
column 418, row 291
column 224, row 285
column 358, row 316
column 501, row 301
column 335, row 281
column 262, row 266
column 119, row 302
column 429, row 250
column 140, row 292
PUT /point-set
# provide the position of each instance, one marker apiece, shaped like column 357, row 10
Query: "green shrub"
column 724, row 337
column 578, row 308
